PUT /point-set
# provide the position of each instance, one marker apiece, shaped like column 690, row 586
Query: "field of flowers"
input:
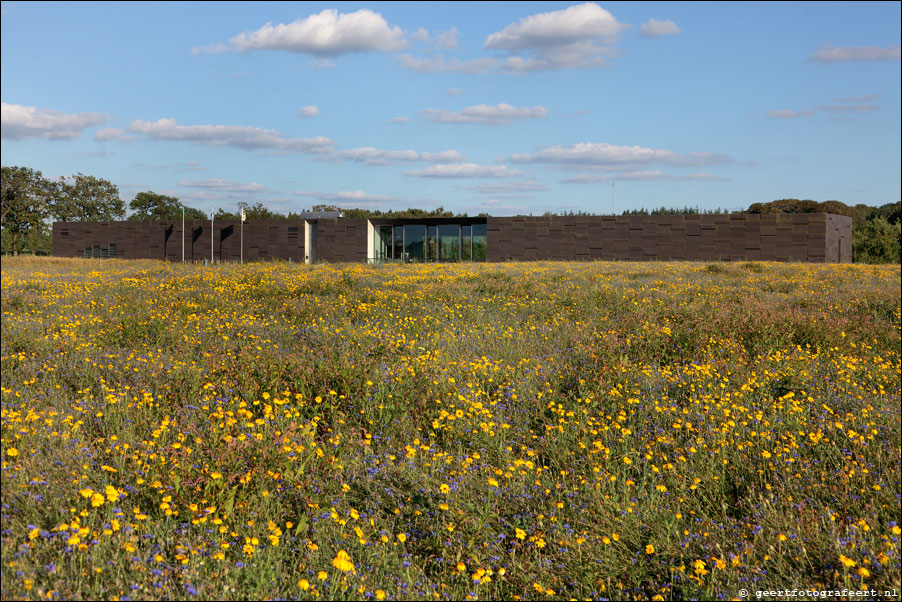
column 513, row 431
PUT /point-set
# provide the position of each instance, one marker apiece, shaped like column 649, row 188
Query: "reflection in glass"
column 415, row 242
column 465, row 243
column 431, row 244
column 382, row 245
column 479, row 242
column 449, row 242
column 398, row 250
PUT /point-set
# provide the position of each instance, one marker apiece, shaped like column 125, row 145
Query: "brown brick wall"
column 263, row 239
column 771, row 237
column 342, row 240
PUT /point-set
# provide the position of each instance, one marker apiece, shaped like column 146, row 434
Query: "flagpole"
column 211, row 236
column 183, row 234
column 242, row 235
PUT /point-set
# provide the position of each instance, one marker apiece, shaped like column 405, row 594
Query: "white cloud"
column 357, row 197
column 420, row 35
column 571, row 38
column 848, row 108
column 438, row 64
column 600, row 155
column 464, row 170
column 309, row 111
column 247, row 138
column 643, row 175
column 399, row 120
column 865, row 98
column 210, row 49
column 454, row 92
column 369, row 155
column 107, row 134
column 328, row 33
column 448, row 39
column 655, row 28
column 789, row 113
column 18, row 122
column 222, row 185
column 509, row 187
column 500, row 114
column 830, row 54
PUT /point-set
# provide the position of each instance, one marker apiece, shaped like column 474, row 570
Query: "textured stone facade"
column 810, row 237
column 772, row 237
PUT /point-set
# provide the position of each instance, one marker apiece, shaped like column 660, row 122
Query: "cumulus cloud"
column 500, row 114
column 222, row 185
column 438, row 64
column 18, row 122
column 328, row 33
column 447, row 39
column 108, row 134
column 309, row 111
column 243, row 137
column 420, row 35
column 600, row 155
column 464, row 170
column 358, row 197
column 655, row 28
column 571, row 38
column 369, row 155
column 831, row 54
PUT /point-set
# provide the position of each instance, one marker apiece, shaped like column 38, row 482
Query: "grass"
column 517, row 431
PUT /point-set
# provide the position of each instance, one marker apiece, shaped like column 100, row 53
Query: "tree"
column 25, row 207
column 84, row 198
column 152, row 207
column 878, row 242
column 255, row 211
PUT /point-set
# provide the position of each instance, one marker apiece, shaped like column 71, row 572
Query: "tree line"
column 30, row 203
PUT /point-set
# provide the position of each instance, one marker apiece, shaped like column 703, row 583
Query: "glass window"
column 382, row 243
column 415, row 242
column 479, row 242
column 449, row 242
column 431, row 244
column 398, row 252
column 466, row 243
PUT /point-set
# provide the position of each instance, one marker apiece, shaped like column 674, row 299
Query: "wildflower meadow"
column 448, row 431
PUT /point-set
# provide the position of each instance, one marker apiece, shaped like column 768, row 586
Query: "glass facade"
column 418, row 242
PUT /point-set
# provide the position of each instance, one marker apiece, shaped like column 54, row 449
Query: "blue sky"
column 507, row 108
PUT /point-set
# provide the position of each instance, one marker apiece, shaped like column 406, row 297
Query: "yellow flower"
column 304, row 584
column 847, row 562
column 863, row 572
column 461, row 567
column 493, row 482
column 520, row 533
column 322, row 575
column 443, row 488
column 402, row 537
column 343, row 562
column 380, row 595
column 12, row 452
column 215, row 475
column 649, row 549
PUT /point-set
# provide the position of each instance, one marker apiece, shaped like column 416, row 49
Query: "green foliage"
column 26, row 199
column 878, row 242
column 152, row 207
column 82, row 198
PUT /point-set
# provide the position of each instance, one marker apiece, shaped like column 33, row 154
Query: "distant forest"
column 30, row 203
